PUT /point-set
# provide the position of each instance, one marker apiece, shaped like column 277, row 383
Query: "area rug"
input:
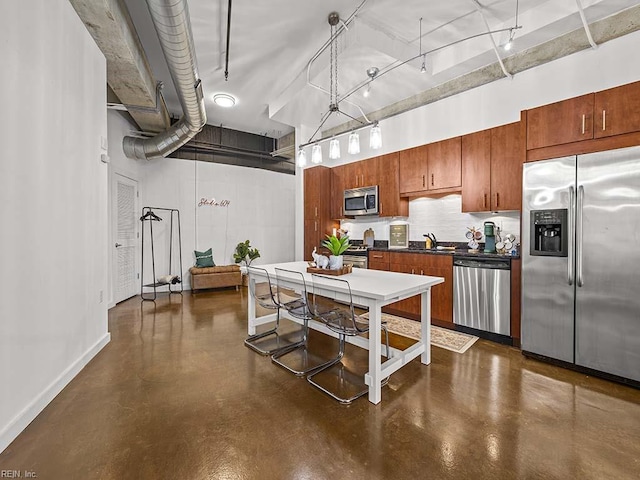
column 440, row 337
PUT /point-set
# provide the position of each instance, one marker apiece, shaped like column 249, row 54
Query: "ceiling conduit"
column 171, row 21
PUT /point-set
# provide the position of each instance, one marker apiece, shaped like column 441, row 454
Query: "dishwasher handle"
column 484, row 264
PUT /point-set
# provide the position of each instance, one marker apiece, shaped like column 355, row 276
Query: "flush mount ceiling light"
column 224, row 100
column 334, row 101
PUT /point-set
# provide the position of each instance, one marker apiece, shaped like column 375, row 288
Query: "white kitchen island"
column 372, row 289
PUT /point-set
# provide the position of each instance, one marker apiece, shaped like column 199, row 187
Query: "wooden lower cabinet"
column 441, row 295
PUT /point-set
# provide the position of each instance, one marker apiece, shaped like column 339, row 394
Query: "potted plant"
column 337, row 246
column 245, row 254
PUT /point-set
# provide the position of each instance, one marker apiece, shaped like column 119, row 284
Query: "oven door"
column 358, row 261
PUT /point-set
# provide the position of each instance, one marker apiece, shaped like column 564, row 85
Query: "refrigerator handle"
column 572, row 228
column 579, row 236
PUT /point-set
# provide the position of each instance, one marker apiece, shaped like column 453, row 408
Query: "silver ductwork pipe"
column 171, row 20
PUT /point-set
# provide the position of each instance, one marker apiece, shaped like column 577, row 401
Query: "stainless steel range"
column 356, row 255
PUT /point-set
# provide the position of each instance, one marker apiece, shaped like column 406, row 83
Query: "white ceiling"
column 272, row 42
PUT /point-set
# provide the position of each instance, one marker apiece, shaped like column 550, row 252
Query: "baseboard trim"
column 9, row 433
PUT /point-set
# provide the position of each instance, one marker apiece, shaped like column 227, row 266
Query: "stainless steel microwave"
column 361, row 201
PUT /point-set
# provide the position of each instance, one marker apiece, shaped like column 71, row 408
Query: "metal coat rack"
column 149, row 216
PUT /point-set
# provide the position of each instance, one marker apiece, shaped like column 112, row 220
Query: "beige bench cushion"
column 220, row 269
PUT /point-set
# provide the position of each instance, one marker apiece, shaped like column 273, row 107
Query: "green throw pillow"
column 204, row 259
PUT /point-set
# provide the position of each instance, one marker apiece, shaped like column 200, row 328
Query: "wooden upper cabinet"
column 476, row 172
column 317, row 208
column 338, row 181
column 413, row 169
column 617, row 111
column 507, row 156
column 390, row 204
column 360, row 174
column 444, row 164
column 561, row 122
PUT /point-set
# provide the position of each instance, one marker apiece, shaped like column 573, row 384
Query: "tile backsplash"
column 441, row 216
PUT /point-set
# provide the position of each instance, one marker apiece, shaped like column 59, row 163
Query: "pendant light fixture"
column 375, row 137
column 423, row 69
column 316, row 153
column 354, row 143
column 302, row 158
column 334, row 149
column 507, row 46
column 334, row 107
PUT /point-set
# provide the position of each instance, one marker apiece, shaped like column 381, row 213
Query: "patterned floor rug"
column 440, row 337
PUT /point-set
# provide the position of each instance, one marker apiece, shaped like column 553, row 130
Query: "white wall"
column 53, row 206
column 491, row 105
column 440, row 216
column 261, row 210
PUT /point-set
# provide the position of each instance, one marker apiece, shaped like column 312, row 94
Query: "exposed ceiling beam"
column 610, row 28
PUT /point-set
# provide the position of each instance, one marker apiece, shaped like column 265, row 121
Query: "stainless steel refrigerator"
column 581, row 260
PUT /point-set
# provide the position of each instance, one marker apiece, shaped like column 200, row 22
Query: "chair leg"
column 303, row 368
column 365, row 388
column 251, row 341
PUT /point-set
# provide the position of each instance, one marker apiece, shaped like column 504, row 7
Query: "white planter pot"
column 335, row 262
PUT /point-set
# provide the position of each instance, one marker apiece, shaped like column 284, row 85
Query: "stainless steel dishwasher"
column 482, row 294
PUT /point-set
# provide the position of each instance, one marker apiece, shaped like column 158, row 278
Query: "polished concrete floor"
column 176, row 395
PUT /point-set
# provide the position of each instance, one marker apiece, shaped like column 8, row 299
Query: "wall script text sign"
column 212, row 202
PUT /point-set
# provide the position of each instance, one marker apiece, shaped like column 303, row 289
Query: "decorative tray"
column 325, row 271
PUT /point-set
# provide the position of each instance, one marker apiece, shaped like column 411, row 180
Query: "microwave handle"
column 366, row 195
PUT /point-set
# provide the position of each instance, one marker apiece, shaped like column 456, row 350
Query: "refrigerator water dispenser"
column 549, row 232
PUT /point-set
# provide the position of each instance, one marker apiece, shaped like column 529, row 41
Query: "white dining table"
column 372, row 289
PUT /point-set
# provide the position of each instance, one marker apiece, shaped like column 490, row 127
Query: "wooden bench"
column 215, row 277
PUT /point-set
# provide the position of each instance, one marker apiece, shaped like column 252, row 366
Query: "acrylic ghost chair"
column 343, row 320
column 270, row 341
column 301, row 360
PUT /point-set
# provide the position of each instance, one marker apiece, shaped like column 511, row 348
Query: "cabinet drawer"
column 373, row 265
column 376, row 256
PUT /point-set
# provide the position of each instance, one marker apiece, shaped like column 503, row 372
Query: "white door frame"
column 120, row 178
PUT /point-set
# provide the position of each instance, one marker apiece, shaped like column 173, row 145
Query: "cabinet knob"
column 604, row 120
column 583, row 122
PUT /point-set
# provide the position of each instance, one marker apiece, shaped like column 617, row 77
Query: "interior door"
column 608, row 232
column 125, row 238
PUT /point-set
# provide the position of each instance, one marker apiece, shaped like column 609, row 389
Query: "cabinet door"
column 561, row 122
column 445, row 164
column 617, row 110
column 388, row 181
column 369, row 172
column 338, row 179
column 317, row 205
column 507, row 156
column 411, row 305
column 311, row 213
column 413, row 169
column 476, row 171
column 441, row 295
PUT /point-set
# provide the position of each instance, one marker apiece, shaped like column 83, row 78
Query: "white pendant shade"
column 316, row 154
column 375, row 138
column 302, row 158
column 334, row 149
column 354, row 143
